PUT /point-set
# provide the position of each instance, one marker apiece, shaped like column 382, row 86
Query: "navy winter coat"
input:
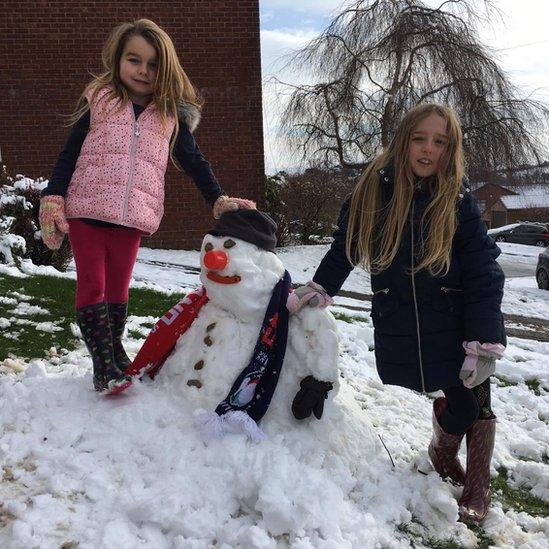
column 420, row 321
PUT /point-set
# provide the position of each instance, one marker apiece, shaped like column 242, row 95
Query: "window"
column 531, row 229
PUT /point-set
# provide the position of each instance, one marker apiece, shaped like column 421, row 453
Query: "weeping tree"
column 378, row 58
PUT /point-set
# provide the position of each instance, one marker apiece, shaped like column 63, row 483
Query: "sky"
column 519, row 37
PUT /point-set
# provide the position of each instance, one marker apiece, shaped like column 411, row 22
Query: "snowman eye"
column 229, row 243
column 208, row 247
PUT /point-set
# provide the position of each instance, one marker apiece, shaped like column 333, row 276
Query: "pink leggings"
column 104, row 258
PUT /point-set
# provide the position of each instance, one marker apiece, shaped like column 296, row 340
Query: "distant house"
column 501, row 205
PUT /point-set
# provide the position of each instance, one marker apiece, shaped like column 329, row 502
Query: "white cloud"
column 279, row 43
column 267, row 16
column 522, row 43
column 276, row 46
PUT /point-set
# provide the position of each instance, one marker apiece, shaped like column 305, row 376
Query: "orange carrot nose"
column 216, row 260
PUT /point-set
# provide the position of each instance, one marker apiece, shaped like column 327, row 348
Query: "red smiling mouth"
column 212, row 275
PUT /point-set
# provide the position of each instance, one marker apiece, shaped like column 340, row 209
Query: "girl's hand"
column 53, row 223
column 480, row 362
column 229, row 204
column 311, row 294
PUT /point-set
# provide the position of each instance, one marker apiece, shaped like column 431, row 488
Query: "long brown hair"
column 378, row 234
column 171, row 85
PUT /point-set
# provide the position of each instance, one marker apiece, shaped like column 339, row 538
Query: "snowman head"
column 238, row 266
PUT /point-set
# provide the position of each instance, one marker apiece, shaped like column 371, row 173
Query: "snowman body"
column 220, row 343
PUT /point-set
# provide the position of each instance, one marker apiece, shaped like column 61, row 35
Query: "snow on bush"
column 12, row 246
column 19, row 227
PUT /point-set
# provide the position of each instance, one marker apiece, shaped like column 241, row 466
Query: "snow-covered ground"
column 81, row 470
column 172, row 271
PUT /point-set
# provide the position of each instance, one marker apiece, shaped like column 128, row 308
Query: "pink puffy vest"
column 119, row 175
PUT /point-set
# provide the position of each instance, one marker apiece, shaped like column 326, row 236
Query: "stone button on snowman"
column 244, row 363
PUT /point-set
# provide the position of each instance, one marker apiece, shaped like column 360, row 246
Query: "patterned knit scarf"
column 253, row 389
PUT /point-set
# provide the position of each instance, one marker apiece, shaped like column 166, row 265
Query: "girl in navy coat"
column 437, row 288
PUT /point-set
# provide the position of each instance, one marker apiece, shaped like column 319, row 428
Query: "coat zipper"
column 135, row 135
column 383, row 291
column 447, row 292
column 415, row 301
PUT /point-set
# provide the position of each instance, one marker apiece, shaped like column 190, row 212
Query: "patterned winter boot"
column 475, row 500
column 444, row 448
column 93, row 321
column 117, row 321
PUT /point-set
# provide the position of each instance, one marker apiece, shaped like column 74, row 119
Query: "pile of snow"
column 133, row 471
column 13, row 246
column 79, row 469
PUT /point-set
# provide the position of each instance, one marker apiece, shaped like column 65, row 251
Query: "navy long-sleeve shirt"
column 186, row 152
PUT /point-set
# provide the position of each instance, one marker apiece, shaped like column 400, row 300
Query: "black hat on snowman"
column 249, row 225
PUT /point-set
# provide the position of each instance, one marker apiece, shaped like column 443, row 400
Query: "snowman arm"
column 316, row 342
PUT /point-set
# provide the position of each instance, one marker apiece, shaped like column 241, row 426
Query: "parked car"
column 542, row 270
column 535, row 234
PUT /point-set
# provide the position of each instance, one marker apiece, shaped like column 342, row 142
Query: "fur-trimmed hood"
column 188, row 113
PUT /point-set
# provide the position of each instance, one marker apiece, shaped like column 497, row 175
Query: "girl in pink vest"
column 107, row 187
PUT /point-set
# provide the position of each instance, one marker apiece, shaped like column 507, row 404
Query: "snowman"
column 242, row 362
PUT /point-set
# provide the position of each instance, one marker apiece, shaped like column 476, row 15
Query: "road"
column 511, row 267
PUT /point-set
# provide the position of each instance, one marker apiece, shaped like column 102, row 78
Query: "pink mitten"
column 53, row 223
column 312, row 294
column 229, row 204
column 480, row 362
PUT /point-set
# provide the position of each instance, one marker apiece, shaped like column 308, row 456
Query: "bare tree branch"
column 378, row 58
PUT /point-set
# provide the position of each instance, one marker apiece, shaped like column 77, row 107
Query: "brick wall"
column 47, row 49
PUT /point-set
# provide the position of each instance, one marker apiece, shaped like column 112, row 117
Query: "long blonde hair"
column 377, row 232
column 172, row 83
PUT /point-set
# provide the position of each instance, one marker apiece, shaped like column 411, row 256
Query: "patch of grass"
column 518, row 499
column 442, row 543
column 146, row 302
column 57, row 296
column 54, row 294
column 535, row 386
column 414, row 531
column 544, row 459
column 504, row 382
column 484, row 541
column 348, row 318
column 136, row 334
